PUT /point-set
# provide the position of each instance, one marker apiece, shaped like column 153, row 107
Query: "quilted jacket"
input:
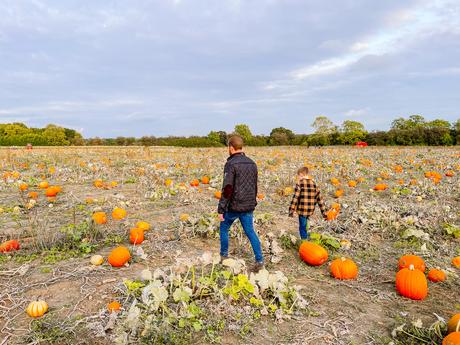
column 239, row 190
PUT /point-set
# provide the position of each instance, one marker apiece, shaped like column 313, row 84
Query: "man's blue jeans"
column 246, row 219
column 303, row 228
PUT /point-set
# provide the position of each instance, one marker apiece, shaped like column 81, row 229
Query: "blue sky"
column 185, row 67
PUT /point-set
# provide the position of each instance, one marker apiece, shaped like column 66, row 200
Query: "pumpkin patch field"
column 120, row 245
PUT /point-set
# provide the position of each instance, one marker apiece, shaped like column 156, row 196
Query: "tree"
column 399, row 123
column 281, row 136
column 214, row 136
column 244, row 131
column 416, row 121
column 438, row 123
column 352, row 132
column 323, row 125
column 55, row 136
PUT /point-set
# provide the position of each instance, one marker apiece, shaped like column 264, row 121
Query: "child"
column 306, row 196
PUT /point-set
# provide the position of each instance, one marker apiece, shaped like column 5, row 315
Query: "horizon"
column 178, row 68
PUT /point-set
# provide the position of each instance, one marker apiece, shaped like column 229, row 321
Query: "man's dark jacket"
column 239, row 192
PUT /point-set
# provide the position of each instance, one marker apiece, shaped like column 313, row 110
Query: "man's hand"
column 221, row 217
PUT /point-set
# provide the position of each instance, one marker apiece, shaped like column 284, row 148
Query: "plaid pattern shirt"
column 306, row 196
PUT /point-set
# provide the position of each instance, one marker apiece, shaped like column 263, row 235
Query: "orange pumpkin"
column 195, row 183
column 452, row 339
column 336, row 206
column 119, row 256
column 23, row 187
column 205, row 180
column 98, row 183
column 335, row 181
column 344, row 269
column 218, row 194
column 114, row 306
column 380, row 186
column 450, row 173
column 168, row 182
column 9, row 246
column 332, row 214
column 99, row 217
column 436, row 275
column 136, row 236
column 456, row 262
column 453, row 323
column 52, row 191
column 411, row 283
column 37, row 308
column 143, row 225
column 406, row 260
column 119, row 213
column 352, row 183
column 43, row 185
column 338, row 193
column 33, row 195
column 312, row 253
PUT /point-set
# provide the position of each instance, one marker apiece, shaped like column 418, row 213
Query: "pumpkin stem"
column 342, row 258
column 411, row 267
column 457, row 329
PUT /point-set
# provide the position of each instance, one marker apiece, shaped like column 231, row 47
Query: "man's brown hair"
column 236, row 142
column 302, row 171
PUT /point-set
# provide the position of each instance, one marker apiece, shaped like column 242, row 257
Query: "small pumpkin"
column 406, row 260
column 23, row 187
column 136, row 236
column 380, row 186
column 43, row 185
column 335, row 181
column 436, row 275
column 453, row 323
column 33, row 195
column 312, row 253
column 195, row 183
column 331, row 214
column 352, row 184
column 37, row 308
column 52, row 191
column 218, row 194
column 97, row 260
column 119, row 256
column 119, row 213
column 168, row 182
column 450, row 173
column 9, row 246
column 99, row 217
column 411, row 283
column 98, row 183
column 456, row 262
column 205, row 180
column 184, row 217
column 344, row 268
column 114, row 306
column 143, row 225
column 452, row 339
column 338, row 193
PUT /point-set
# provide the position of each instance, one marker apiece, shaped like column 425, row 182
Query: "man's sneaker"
column 257, row 267
column 222, row 258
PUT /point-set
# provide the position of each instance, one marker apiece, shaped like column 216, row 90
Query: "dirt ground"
column 362, row 311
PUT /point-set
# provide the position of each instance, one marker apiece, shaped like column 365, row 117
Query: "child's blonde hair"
column 302, row 171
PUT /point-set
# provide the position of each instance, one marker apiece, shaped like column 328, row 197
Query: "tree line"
column 414, row 130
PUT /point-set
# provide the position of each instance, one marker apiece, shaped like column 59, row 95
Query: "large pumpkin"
column 452, row 339
column 406, row 260
column 453, row 323
column 136, row 236
column 312, row 253
column 8, row 246
column 344, row 268
column 119, row 256
column 37, row 308
column 436, row 275
column 411, row 283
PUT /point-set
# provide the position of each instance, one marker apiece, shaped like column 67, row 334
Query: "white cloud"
column 357, row 112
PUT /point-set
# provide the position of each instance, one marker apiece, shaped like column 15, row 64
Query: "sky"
column 184, row 67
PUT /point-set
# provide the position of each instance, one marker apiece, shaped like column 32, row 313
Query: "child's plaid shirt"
column 306, row 196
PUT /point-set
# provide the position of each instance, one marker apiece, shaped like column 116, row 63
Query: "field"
column 175, row 291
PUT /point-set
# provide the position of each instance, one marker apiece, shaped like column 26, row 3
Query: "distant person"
column 239, row 199
column 306, row 196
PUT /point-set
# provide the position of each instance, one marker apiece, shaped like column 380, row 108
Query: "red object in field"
column 8, row 246
column 29, row 146
column 361, row 144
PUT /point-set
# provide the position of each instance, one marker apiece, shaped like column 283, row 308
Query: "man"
column 239, row 199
